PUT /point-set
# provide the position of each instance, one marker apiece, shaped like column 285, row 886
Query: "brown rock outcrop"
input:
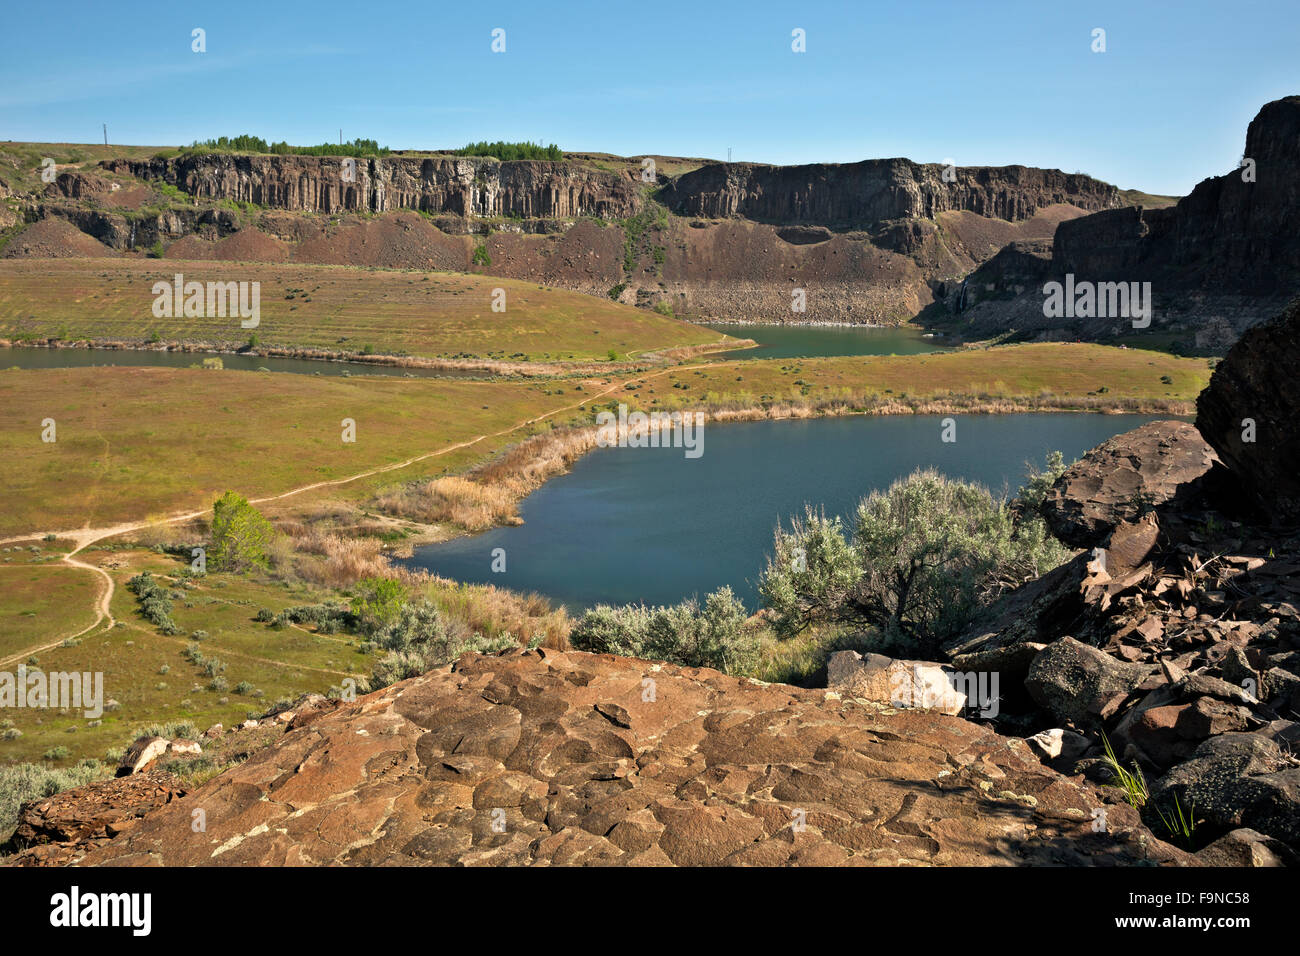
column 1248, row 413
column 60, row 829
column 1116, row 480
column 541, row 757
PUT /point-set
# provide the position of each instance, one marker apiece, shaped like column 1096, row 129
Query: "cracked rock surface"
column 543, row 757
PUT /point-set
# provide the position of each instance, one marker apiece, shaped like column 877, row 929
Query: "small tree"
column 241, row 537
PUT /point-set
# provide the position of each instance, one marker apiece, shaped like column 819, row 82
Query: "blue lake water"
column 648, row 524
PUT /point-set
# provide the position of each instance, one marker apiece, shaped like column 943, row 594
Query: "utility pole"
column 105, row 134
column 340, row 137
column 728, row 154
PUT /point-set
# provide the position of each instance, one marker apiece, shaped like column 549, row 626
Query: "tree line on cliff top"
column 247, row 143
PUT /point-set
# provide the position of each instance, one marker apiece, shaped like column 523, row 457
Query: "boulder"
column 1246, row 847
column 1237, row 780
column 1057, row 742
column 1249, row 414
column 1081, row 684
column 1166, row 727
column 1116, row 480
column 897, row 683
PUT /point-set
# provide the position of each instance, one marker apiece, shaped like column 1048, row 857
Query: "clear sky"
column 980, row 83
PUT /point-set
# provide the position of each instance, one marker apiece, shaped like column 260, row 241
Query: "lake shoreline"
column 581, row 521
column 519, row 469
column 488, row 367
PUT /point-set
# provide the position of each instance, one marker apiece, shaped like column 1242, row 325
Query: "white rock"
column 144, row 751
column 1058, row 742
column 906, row 684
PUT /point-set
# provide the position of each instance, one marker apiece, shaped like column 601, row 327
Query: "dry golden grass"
column 490, row 494
column 494, row 611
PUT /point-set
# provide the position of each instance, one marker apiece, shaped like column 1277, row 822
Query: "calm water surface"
column 648, row 524
column 809, row 341
column 80, row 358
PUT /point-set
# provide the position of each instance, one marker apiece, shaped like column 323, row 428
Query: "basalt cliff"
column 866, row 242
column 1221, row 260
column 967, row 249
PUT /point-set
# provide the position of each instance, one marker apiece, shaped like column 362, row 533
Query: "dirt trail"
column 83, row 538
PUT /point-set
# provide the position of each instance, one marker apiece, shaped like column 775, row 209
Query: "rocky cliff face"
column 1248, row 413
column 458, row 186
column 1219, row 261
column 1235, row 232
column 864, row 195
column 868, row 242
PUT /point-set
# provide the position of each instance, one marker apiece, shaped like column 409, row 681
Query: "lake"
column 649, row 524
column 775, row 341
column 809, row 341
column 79, row 358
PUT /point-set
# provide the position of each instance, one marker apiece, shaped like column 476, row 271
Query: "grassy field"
column 145, row 672
column 40, row 601
column 24, row 159
column 1064, row 371
column 334, row 308
column 140, row 443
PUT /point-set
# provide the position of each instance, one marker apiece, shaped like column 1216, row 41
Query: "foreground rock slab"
column 541, row 757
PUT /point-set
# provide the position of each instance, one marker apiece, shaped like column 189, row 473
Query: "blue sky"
column 981, row 83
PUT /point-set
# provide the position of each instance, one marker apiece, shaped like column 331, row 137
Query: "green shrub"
column 420, row 639
column 715, row 634
column 481, row 257
column 155, row 601
column 327, row 618
column 925, row 555
column 181, row 729
column 612, row 630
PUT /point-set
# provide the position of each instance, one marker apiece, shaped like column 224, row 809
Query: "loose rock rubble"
column 59, row 830
column 1178, row 635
